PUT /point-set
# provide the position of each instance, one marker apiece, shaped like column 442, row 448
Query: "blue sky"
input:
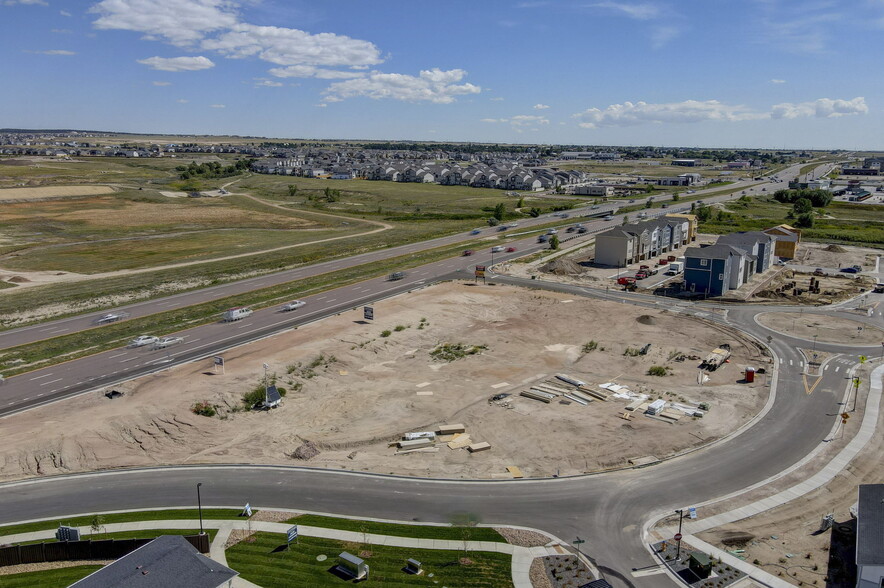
column 751, row 73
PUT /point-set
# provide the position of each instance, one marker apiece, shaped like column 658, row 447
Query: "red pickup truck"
column 625, row 281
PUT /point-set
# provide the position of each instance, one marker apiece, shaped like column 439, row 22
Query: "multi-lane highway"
column 608, row 510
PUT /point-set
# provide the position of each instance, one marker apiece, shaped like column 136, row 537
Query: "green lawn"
column 124, row 517
column 260, row 562
column 400, row 530
column 59, row 578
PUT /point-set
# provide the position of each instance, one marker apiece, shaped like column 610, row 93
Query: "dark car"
column 855, row 269
column 510, row 249
column 396, row 276
column 468, row 252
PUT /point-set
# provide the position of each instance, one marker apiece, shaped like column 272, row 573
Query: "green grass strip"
column 124, row 517
column 58, row 578
column 400, row 530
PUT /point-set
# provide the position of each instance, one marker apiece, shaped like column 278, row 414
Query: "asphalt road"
column 607, row 509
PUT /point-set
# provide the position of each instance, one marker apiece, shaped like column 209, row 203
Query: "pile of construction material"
column 717, row 358
column 456, row 437
column 420, row 441
column 563, row 387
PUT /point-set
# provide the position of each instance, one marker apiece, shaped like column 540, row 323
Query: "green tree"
column 804, row 221
column 554, row 242
column 493, row 222
column 293, row 189
column 802, row 206
column 648, row 204
column 534, row 212
column 520, row 202
column 693, row 206
column 676, row 197
column 625, row 219
column 704, row 213
column 499, row 211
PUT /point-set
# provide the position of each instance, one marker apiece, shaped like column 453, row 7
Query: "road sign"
column 247, row 511
column 480, row 272
column 862, row 358
column 579, row 541
column 292, row 534
column 678, row 536
column 692, row 512
column 219, row 361
column 368, row 313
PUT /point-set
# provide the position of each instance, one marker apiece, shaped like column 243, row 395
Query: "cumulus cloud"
column 821, row 108
column 777, row 81
column 629, row 113
column 265, row 83
column 541, row 106
column 194, row 63
column 284, row 46
column 433, row 85
column 493, row 120
column 524, row 120
column 644, row 11
column 162, row 83
column 309, row 71
column 179, row 22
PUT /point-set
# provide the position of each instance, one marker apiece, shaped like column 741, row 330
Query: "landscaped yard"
column 266, row 562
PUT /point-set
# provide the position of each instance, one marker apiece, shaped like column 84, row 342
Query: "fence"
column 83, row 550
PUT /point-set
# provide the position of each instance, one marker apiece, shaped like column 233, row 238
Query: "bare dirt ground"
column 829, row 329
column 779, row 540
column 352, row 390
column 836, row 256
column 52, row 191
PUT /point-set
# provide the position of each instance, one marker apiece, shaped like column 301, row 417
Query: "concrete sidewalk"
column 818, row 480
column 521, row 556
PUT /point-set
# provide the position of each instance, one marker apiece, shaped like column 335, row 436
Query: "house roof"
column 870, row 525
column 717, row 251
column 169, row 561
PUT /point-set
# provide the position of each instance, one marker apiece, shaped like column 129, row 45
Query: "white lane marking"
column 837, row 368
column 52, row 381
column 825, row 368
column 781, row 359
column 38, row 377
column 130, row 359
column 790, row 362
column 330, row 301
column 118, row 355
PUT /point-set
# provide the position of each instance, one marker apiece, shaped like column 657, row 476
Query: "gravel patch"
column 523, row 537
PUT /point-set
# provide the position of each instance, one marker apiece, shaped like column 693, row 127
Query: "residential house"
column 870, row 536
column 169, row 561
column 688, row 224
column 787, row 239
column 759, row 244
column 713, row 270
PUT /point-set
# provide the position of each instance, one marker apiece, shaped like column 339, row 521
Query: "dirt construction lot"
column 354, row 387
column 52, row 192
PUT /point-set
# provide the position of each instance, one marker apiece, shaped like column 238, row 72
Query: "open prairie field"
column 391, row 200
column 37, row 193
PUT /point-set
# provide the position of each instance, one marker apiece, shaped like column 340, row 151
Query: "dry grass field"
column 52, row 192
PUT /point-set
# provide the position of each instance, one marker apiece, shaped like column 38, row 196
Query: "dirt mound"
column 735, row 538
column 835, row 249
column 562, row 267
column 18, row 280
column 647, row 319
column 306, row 451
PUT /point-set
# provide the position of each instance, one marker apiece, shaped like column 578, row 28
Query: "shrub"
column 657, row 370
column 203, row 409
column 400, row 328
column 591, row 346
column 386, row 333
column 452, row 351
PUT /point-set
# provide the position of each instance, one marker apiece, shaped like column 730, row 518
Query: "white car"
column 167, row 342
column 497, row 249
column 513, row 225
column 293, row 305
column 143, row 340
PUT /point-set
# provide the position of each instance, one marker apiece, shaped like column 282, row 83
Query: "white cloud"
column 689, row 111
column 181, row 22
column 194, row 63
column 31, row 2
column 524, row 120
column 321, row 105
column 64, row 13
column 663, row 34
column 541, row 106
column 497, row 99
column 265, row 83
column 162, row 83
column 644, row 11
column 777, row 81
column 309, row 71
column 182, row 101
column 493, row 120
column 821, row 108
column 433, row 85
column 284, row 46
column 217, row 106
column 55, row 52
column 62, row 31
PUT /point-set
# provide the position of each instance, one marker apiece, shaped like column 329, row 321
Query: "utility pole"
column 199, row 504
column 678, row 535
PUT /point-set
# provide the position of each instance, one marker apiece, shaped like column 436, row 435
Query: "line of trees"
column 213, row 169
column 817, row 198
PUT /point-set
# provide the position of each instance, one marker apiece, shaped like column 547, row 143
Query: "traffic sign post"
column 578, row 542
column 678, row 535
column 480, row 272
column 218, row 363
column 292, row 535
column 368, row 313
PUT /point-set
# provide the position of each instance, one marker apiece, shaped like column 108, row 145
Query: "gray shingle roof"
column 870, row 525
column 168, row 561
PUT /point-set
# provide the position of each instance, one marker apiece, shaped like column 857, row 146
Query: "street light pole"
column 199, row 504
column 678, row 535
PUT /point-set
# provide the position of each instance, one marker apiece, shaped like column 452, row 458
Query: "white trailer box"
column 420, row 435
column 656, row 407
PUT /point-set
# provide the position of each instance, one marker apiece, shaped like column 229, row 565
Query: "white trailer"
column 656, row 407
